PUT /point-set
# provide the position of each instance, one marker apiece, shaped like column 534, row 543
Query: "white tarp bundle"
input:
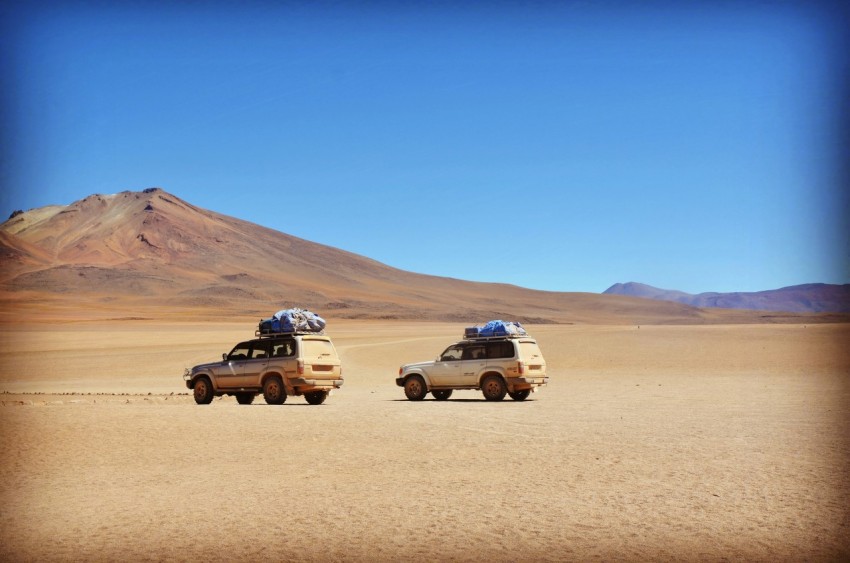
column 297, row 320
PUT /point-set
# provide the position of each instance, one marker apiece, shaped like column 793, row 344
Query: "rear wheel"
column 273, row 391
column 519, row 395
column 414, row 388
column 494, row 388
column 245, row 398
column 442, row 394
column 203, row 391
column 316, row 397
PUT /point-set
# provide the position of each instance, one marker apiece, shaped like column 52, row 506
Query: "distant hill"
column 806, row 298
column 150, row 254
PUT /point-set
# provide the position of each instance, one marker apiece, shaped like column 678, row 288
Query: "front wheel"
column 414, row 388
column 273, row 391
column 203, row 391
column 442, row 394
column 519, row 395
column 494, row 388
column 316, row 397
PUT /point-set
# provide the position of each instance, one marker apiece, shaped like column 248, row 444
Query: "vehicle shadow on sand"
column 478, row 401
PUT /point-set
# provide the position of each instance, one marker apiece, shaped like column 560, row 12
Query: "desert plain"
column 695, row 443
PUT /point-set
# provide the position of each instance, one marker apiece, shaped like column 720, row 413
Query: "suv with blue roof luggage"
column 499, row 358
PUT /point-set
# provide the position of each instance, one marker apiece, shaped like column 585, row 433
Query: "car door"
column 473, row 361
column 446, row 369
column 283, row 357
column 500, row 357
column 255, row 365
column 228, row 374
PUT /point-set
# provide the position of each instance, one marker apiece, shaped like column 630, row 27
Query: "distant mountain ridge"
column 805, row 298
column 149, row 254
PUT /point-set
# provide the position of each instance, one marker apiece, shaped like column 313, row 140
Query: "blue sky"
column 698, row 146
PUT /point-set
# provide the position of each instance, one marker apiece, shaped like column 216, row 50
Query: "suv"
column 497, row 366
column 275, row 365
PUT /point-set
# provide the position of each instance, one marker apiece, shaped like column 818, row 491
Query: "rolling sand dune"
column 662, row 442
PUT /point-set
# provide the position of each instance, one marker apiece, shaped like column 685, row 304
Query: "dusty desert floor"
column 653, row 443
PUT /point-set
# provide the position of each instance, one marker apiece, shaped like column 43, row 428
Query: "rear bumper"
column 529, row 381
column 399, row 381
column 316, row 383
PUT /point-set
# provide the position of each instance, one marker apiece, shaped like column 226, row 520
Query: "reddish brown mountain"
column 151, row 254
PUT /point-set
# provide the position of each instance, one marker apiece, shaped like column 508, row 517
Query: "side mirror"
column 224, row 356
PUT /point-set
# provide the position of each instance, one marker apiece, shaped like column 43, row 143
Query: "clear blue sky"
column 699, row 146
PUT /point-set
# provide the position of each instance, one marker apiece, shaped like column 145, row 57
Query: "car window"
column 451, row 353
column 501, row 349
column 260, row 349
column 240, row 351
column 473, row 353
column 283, row 348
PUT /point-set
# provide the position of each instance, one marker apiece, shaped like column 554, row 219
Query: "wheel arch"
column 488, row 372
column 275, row 373
column 205, row 375
column 421, row 374
column 269, row 374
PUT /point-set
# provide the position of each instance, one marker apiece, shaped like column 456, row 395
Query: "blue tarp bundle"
column 297, row 320
column 496, row 328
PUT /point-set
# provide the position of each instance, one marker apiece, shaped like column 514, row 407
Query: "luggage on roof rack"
column 291, row 321
column 265, row 326
column 495, row 329
column 259, row 334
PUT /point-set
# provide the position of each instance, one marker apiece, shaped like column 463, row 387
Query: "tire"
column 273, row 391
column 442, row 394
column 519, row 395
column 494, row 388
column 414, row 388
column 245, row 398
column 203, row 391
column 316, row 397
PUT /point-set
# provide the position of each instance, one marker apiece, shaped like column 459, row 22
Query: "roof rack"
column 497, row 337
column 261, row 334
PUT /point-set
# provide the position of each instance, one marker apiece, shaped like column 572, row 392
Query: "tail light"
column 401, row 370
column 300, row 367
column 519, row 368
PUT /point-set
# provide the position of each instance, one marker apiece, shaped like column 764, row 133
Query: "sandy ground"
column 652, row 443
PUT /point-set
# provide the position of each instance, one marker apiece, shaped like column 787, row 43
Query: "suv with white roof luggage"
column 276, row 364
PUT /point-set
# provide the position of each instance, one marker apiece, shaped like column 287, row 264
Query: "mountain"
column 150, row 254
column 807, row 298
